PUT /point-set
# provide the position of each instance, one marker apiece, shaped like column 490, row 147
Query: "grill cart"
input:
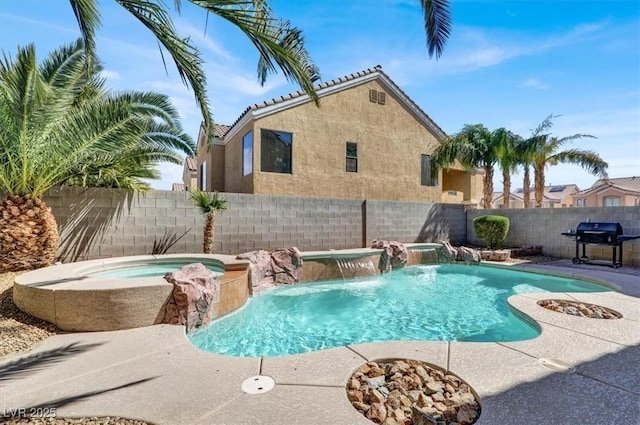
column 603, row 233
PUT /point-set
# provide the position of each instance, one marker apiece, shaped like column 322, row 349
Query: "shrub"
column 491, row 229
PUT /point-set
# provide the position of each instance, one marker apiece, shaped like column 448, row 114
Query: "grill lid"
column 600, row 227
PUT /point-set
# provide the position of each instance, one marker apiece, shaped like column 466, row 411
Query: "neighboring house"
column 367, row 140
column 624, row 192
column 554, row 196
column 189, row 175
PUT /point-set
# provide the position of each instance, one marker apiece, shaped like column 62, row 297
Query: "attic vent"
column 373, row 96
column 382, row 98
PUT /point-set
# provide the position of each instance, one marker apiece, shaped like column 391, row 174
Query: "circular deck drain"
column 557, row 365
column 258, row 384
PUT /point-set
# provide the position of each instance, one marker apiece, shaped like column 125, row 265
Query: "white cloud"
column 200, row 39
column 535, row 83
column 110, row 75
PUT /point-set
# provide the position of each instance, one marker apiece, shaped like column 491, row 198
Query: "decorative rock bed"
column 579, row 309
column 411, row 392
column 495, row 255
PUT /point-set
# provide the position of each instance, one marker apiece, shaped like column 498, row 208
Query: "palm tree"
column 474, row 147
column 507, row 145
column 58, row 125
column 278, row 43
column 209, row 205
column 546, row 151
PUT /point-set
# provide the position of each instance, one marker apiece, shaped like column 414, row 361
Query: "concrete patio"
column 155, row 374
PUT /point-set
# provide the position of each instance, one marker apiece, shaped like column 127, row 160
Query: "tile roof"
column 219, row 130
column 631, row 184
column 191, row 163
column 344, row 79
column 179, row 187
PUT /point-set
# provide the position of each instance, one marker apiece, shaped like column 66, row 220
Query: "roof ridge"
column 335, row 81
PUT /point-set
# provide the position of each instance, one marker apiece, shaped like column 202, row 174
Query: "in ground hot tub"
column 119, row 293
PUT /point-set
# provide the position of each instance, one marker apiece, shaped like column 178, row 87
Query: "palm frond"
column 589, row 160
column 276, row 40
column 437, row 25
column 185, row 55
column 208, row 203
column 88, row 17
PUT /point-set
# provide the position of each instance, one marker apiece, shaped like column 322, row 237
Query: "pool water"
column 150, row 270
column 435, row 303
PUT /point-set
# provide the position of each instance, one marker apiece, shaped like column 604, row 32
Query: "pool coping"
column 155, row 374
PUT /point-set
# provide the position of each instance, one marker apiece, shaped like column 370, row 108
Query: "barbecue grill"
column 588, row 233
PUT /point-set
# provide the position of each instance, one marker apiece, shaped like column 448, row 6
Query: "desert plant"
column 163, row 245
column 60, row 125
column 209, row 204
column 491, row 229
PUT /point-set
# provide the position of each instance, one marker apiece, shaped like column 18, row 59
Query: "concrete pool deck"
column 155, row 374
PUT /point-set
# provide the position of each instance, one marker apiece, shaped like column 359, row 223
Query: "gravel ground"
column 19, row 330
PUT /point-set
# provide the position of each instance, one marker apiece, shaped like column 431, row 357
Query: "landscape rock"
column 468, row 255
column 394, row 256
column 268, row 270
column 447, row 254
column 575, row 308
column 407, row 387
column 195, row 295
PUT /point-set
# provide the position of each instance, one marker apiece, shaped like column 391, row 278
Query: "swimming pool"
column 150, row 269
column 437, row 303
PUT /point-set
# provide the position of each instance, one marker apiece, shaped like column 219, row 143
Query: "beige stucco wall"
column 390, row 142
column 189, row 178
column 234, row 180
column 596, row 199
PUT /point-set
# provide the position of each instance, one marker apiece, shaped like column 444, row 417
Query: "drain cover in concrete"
column 258, row 384
column 557, row 365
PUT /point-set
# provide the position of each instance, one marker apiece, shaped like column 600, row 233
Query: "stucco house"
column 554, row 196
column 623, row 192
column 367, row 140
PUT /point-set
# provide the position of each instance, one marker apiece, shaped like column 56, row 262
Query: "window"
column 202, row 177
column 580, row 203
column 611, row 201
column 352, row 157
column 247, row 153
column 275, row 151
column 428, row 172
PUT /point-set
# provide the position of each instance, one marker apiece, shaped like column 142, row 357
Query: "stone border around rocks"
column 579, row 309
column 411, row 392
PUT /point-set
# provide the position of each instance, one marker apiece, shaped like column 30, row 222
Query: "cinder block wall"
column 101, row 223
column 414, row 221
column 543, row 226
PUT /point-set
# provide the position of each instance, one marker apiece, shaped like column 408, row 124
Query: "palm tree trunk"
column 209, row 233
column 28, row 234
column 526, row 184
column 487, row 183
column 506, row 188
column 539, row 183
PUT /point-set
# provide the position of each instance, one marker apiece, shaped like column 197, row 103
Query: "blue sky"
column 507, row 64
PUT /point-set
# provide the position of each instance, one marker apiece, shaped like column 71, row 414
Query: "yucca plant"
column 59, row 125
column 209, row 205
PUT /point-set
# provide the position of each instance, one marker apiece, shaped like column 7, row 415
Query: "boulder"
column 268, row 270
column 447, row 254
column 286, row 266
column 468, row 255
column 394, row 256
column 193, row 302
